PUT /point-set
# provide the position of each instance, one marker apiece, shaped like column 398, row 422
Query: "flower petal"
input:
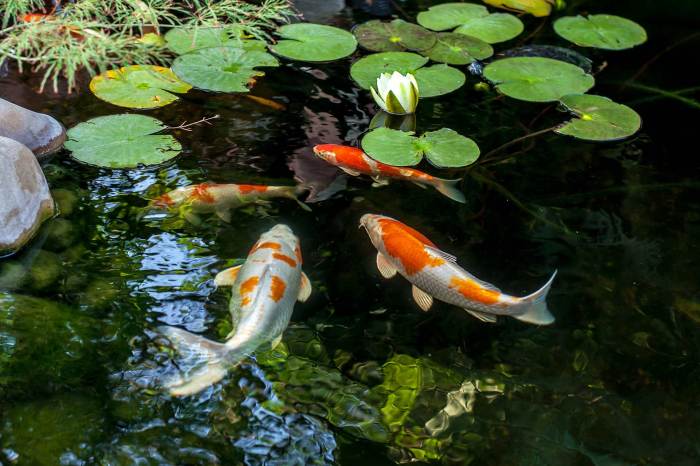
column 393, row 105
column 378, row 99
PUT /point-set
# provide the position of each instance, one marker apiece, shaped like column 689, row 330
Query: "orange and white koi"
column 435, row 274
column 221, row 198
column 355, row 162
column 264, row 291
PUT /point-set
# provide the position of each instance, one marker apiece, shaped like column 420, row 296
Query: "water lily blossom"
column 396, row 93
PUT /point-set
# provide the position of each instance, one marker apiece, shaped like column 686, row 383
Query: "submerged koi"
column 264, row 291
column 355, row 162
column 221, row 198
column 435, row 274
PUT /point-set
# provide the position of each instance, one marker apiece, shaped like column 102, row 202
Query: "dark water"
column 364, row 377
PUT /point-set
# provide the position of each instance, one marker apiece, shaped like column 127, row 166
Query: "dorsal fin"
column 435, row 251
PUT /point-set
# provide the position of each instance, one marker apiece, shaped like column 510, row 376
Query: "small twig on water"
column 187, row 126
column 517, row 140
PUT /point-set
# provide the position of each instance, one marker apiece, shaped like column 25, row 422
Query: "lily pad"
column 601, row 31
column 450, row 15
column 222, row 69
column 458, row 49
column 442, row 148
column 394, row 36
column 599, row 118
column 537, row 79
column 138, row 86
column 534, row 7
column 494, row 28
column 438, row 80
column 471, row 20
column 551, row 51
column 314, row 42
column 186, row 40
column 121, row 141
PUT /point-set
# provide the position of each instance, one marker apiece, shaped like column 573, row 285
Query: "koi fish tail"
column 534, row 306
column 293, row 192
column 450, row 189
column 203, row 362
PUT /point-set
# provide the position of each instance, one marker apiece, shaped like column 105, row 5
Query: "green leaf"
column 537, row 79
column 601, row 31
column 366, row 70
column 494, row 28
column 314, row 42
column 438, row 80
column 534, row 7
column 121, row 141
column 185, row 40
column 450, row 15
column 458, row 49
column 222, row 69
column 394, row 36
column 138, row 86
column 392, row 147
column 447, row 148
column 599, row 118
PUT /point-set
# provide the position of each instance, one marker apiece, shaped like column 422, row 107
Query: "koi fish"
column 355, row 162
column 264, row 290
column 435, row 274
column 221, row 198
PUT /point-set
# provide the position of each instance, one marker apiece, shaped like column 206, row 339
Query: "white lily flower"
column 396, row 93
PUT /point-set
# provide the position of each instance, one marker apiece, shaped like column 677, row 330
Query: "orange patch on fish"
column 473, row 291
column 277, row 288
column 348, row 157
column 251, row 188
column 408, row 246
column 164, row 201
column 201, row 193
column 266, row 245
column 35, row 17
column 286, row 259
column 245, row 301
column 249, row 285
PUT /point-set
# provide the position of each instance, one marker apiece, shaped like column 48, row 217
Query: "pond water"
column 363, row 376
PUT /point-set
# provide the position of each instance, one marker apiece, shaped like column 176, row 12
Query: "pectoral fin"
column 350, row 171
column 304, row 288
column 275, row 342
column 378, row 181
column 423, row 299
column 385, row 268
column 489, row 318
column 224, row 214
column 227, row 277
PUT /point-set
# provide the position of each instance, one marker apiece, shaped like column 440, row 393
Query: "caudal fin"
column 293, row 192
column 202, row 362
column 535, row 306
column 450, row 189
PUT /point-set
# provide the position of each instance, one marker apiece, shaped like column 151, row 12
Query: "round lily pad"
column 551, row 51
column 185, row 40
column 537, row 79
column 447, row 148
column 222, row 69
column 138, row 86
column 450, row 15
column 366, row 70
column 601, row 31
column 121, row 141
column 599, row 118
column 314, row 42
column 392, row 147
column 394, row 36
column 438, row 80
column 458, row 49
column 534, row 7
column 494, row 28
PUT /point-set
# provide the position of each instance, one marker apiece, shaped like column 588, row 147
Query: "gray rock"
column 39, row 132
column 25, row 200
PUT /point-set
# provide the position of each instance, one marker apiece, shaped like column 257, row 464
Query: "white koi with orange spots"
column 435, row 274
column 264, row 291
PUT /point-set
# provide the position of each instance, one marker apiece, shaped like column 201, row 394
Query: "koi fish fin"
column 292, row 192
column 274, row 343
column 423, row 299
column 350, row 171
column 442, row 254
column 482, row 316
column 304, row 288
column 534, row 306
column 450, row 189
column 379, row 181
column 227, row 277
column 224, row 214
column 385, row 268
column 418, row 183
column 203, row 362
column 193, row 218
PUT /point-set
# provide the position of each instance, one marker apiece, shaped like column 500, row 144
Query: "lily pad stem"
column 187, row 126
column 498, row 149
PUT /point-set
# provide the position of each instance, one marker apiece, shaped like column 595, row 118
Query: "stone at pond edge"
column 41, row 133
column 26, row 200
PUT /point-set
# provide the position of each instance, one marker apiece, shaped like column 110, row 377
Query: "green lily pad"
column 121, row 141
column 314, row 42
column 443, row 148
column 438, row 80
column 599, row 118
column 601, row 31
column 394, row 36
column 222, row 69
column 494, row 28
column 186, row 40
column 458, row 49
column 138, row 86
column 450, row 15
column 537, row 79
column 537, row 8
column 471, row 20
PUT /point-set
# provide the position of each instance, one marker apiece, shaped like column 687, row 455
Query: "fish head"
column 170, row 199
column 327, row 152
column 371, row 224
column 282, row 234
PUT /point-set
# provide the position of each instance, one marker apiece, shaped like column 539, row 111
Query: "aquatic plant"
column 396, row 93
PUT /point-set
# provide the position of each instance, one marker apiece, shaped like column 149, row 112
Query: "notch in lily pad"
column 458, row 49
column 121, row 141
column 471, row 20
column 184, row 40
column 313, row 42
column 138, row 86
column 394, row 36
column 444, row 148
column 598, row 118
column 607, row 32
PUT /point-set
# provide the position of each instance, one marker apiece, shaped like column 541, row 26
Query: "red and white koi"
column 435, row 274
column 264, row 291
column 221, row 198
column 355, row 162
